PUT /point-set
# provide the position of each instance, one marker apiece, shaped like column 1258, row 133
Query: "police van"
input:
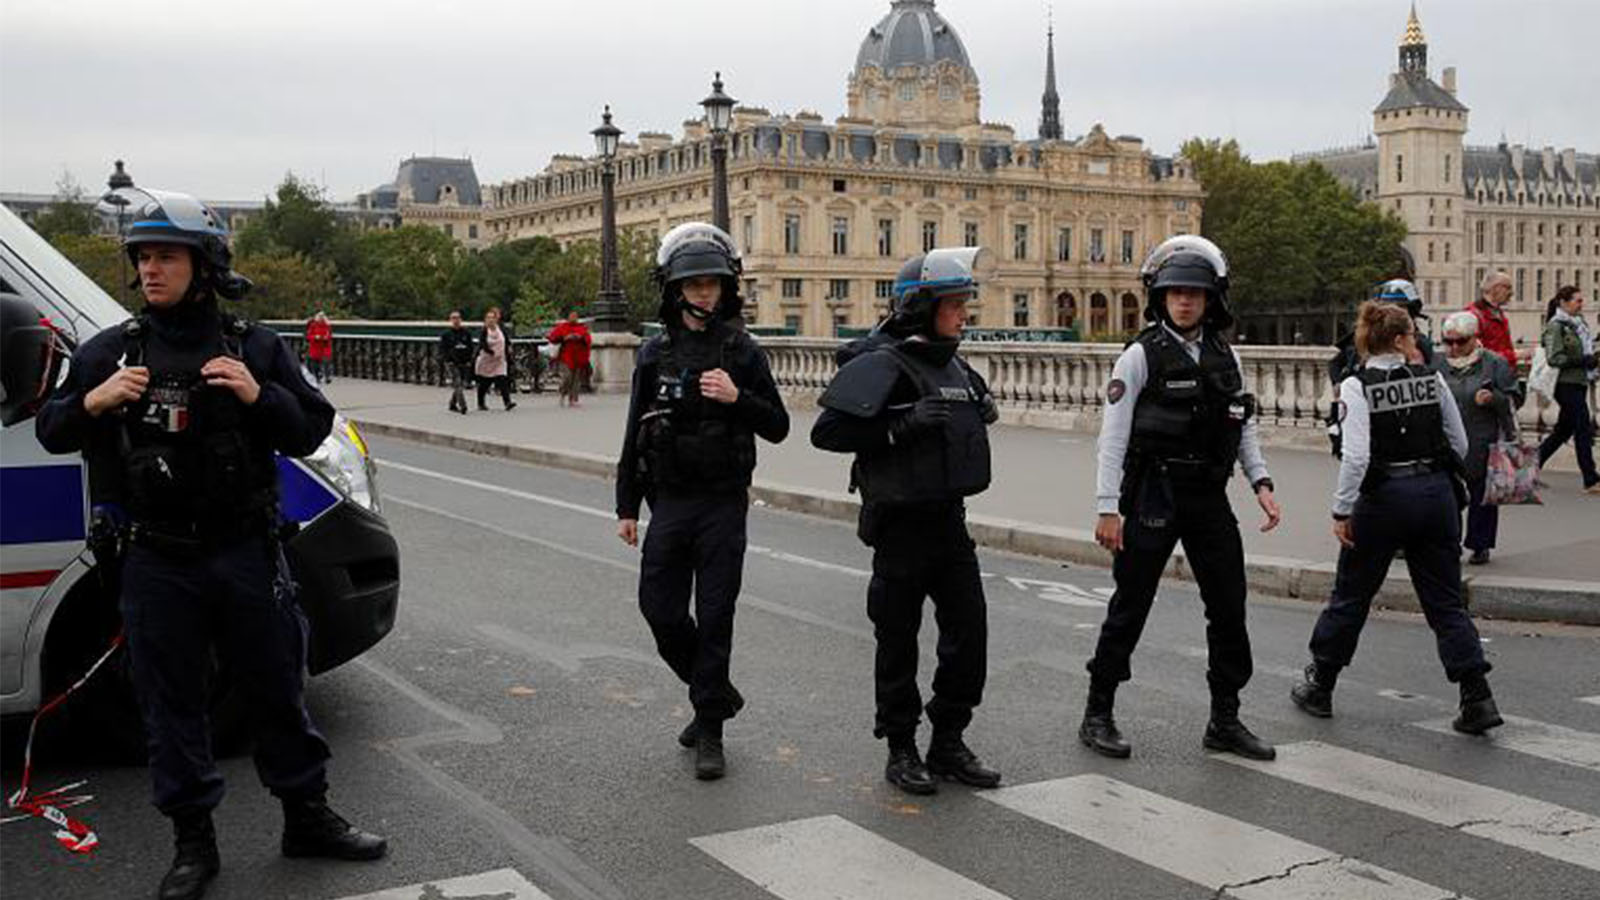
column 56, row 615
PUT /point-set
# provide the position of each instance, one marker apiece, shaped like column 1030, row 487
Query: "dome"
column 912, row 34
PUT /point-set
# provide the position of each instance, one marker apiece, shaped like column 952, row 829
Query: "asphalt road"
column 518, row 727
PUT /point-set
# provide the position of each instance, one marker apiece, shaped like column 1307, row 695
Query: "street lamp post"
column 609, row 312
column 119, row 179
column 719, row 115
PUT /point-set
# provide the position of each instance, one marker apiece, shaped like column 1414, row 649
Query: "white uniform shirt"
column 1357, row 448
column 1128, row 378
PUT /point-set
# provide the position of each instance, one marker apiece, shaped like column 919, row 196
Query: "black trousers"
column 1418, row 515
column 1202, row 519
column 695, row 544
column 925, row 553
column 502, row 384
column 239, row 600
column 1574, row 422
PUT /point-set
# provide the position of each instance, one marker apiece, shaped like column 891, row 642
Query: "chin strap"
column 695, row 311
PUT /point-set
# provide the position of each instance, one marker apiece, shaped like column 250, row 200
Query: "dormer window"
column 908, row 91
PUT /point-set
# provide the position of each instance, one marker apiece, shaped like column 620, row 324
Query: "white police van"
column 55, row 615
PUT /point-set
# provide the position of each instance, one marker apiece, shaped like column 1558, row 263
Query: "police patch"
column 1115, row 390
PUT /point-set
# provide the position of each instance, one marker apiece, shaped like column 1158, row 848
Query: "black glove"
column 927, row 414
column 987, row 410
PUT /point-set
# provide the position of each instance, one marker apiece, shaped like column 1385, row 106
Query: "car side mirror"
column 31, row 355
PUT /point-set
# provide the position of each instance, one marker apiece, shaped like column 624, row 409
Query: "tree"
column 70, row 212
column 287, row 286
column 406, row 272
column 101, row 258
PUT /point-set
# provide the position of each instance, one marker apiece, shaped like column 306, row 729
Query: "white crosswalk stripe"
column 1219, row 852
column 829, row 858
column 1490, row 813
column 1592, row 701
column 500, row 884
column 1541, row 739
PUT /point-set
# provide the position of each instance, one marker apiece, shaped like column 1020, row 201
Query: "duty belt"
column 181, row 538
column 1410, row 469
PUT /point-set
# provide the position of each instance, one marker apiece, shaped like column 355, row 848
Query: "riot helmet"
column 1191, row 261
column 693, row 250
column 1400, row 292
column 933, row 276
column 167, row 217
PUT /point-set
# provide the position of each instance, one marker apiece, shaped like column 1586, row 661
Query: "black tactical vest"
column 684, row 440
column 1406, row 424
column 186, row 456
column 931, row 467
column 1190, row 412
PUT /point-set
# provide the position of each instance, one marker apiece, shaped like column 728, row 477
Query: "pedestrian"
column 319, row 347
column 493, row 366
column 178, row 413
column 916, row 417
column 1494, row 328
column 702, row 393
column 1177, row 420
column 572, row 340
column 1398, row 489
column 1569, row 348
column 457, row 349
column 1400, row 292
column 1487, row 394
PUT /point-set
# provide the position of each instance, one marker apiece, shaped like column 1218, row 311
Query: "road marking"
column 608, row 515
column 1489, row 813
column 798, row 560
column 1552, row 742
column 1057, row 592
column 500, row 884
column 829, row 858
column 1594, row 701
column 1223, row 854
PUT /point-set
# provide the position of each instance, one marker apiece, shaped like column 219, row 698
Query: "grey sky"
column 222, row 97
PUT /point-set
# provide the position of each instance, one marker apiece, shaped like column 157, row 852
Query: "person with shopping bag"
column 1487, row 394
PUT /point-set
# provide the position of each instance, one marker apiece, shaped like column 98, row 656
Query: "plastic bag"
column 1512, row 476
column 1542, row 376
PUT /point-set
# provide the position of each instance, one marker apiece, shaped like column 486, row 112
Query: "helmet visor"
column 145, row 207
column 950, row 269
column 690, row 233
column 1184, row 243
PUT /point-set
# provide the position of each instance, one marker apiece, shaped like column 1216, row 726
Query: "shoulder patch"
column 1116, row 390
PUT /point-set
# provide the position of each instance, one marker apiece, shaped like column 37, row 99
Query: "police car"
column 56, row 616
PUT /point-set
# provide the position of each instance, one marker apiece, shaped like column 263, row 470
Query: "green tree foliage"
column 288, row 286
column 101, row 258
column 1294, row 236
column 406, row 272
column 70, row 212
column 297, row 221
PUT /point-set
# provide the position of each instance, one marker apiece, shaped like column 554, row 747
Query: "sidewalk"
column 1042, row 499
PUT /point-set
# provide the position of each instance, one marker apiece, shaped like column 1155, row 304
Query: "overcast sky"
column 221, row 97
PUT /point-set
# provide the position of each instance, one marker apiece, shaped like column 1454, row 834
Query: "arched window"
column 1130, row 313
column 1099, row 313
column 1066, row 310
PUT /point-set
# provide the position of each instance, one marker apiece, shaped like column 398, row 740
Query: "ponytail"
column 1378, row 326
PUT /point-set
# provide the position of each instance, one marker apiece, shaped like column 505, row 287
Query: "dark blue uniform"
column 192, row 470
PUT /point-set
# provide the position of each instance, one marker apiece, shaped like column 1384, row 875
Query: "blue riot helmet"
column 933, row 276
column 167, row 217
column 692, row 250
column 1400, row 292
column 1187, row 260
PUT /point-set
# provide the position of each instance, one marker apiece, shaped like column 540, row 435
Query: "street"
column 517, row 726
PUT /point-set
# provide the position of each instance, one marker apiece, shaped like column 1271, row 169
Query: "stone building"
column 1473, row 209
column 824, row 213
column 439, row 192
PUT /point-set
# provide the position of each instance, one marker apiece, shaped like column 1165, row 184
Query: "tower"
column 1420, row 126
column 1050, row 114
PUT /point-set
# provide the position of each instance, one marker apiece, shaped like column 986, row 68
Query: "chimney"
column 1549, row 160
column 1569, row 162
column 1516, row 159
column 1450, row 80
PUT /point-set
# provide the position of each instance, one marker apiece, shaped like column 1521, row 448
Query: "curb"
column 1487, row 596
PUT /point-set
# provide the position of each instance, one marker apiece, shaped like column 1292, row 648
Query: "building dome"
column 912, row 34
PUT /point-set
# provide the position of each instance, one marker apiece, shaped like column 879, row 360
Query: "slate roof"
column 427, row 174
column 912, row 34
column 1415, row 89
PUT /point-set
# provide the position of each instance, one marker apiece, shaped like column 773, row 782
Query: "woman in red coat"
column 319, row 347
column 572, row 341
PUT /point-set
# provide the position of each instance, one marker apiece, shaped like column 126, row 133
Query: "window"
column 1127, row 246
column 791, row 234
column 791, row 182
column 1180, row 205
column 841, row 236
column 1447, row 168
column 1522, row 239
column 885, row 237
column 838, row 185
column 930, row 236
column 1477, row 236
column 930, row 191
column 1019, row 310
column 970, row 193
column 792, row 288
column 1522, row 283
column 1019, row 194
column 1430, row 251
column 747, row 233
column 472, row 232
column 1477, row 277
column 1019, row 240
column 791, row 323
column 1400, row 168
column 947, row 91
column 449, row 230
column 1538, row 280
column 1064, row 245
column 1499, row 237
column 1446, row 251
column 969, row 234
column 908, row 91
column 1444, row 286
column 886, row 189
column 838, row 289
column 1097, row 245
column 883, row 289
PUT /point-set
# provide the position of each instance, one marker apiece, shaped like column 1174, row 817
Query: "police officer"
column 178, row 413
column 917, row 417
column 1398, row 490
column 1177, row 420
column 702, row 392
column 1346, row 362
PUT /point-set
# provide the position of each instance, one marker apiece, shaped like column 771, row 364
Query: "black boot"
column 1099, row 729
column 710, row 763
column 950, row 758
column 906, row 770
column 1314, row 695
column 196, row 861
column 1226, row 733
column 310, row 828
column 1478, row 712
column 691, row 731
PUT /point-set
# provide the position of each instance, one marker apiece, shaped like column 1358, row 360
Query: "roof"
column 1416, row 89
column 426, row 176
column 912, row 34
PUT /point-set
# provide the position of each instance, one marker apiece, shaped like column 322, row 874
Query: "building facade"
column 1471, row 210
column 825, row 213
column 435, row 191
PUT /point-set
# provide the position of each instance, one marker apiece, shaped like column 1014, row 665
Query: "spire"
column 1414, row 47
column 1413, row 30
column 1050, row 115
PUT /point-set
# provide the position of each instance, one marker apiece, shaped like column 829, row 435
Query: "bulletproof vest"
column 931, row 466
column 1190, row 412
column 185, row 452
column 684, row 439
column 1404, row 417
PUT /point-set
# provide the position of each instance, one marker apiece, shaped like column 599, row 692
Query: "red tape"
column 71, row 833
